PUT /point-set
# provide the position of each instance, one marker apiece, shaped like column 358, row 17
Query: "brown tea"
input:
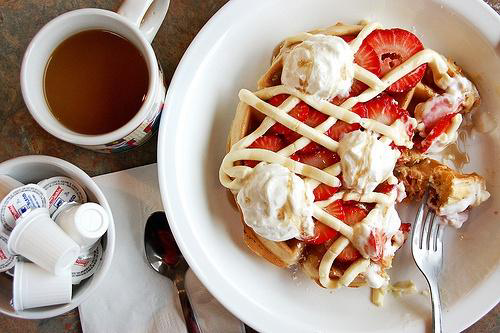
column 95, row 82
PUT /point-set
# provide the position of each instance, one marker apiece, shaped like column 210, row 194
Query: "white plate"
column 230, row 53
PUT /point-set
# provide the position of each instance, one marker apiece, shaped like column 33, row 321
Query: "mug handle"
column 147, row 15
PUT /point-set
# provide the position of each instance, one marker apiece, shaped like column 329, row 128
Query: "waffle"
column 254, row 116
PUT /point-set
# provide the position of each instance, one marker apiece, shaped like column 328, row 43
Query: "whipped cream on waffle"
column 365, row 160
column 321, row 66
column 276, row 203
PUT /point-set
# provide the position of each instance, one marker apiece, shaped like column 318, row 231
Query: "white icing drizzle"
column 231, row 175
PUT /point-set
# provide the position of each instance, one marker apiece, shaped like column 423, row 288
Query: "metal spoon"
column 166, row 258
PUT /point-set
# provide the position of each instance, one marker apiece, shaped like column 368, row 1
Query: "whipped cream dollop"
column 322, row 66
column 365, row 160
column 276, row 203
column 447, row 137
column 374, row 234
column 464, row 194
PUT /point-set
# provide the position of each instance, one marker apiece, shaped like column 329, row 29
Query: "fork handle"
column 436, row 307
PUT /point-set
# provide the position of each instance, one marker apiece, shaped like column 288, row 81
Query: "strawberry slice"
column 354, row 212
column 357, row 88
column 405, row 227
column 300, row 112
column 384, row 188
column 314, row 118
column 312, row 147
column 321, row 159
column 440, row 127
column 323, row 192
column 393, row 47
column 278, row 99
column 269, row 142
column 408, row 81
column 349, row 254
column 341, row 127
column 366, row 56
column 375, row 246
column 348, row 38
column 322, row 232
column 337, row 131
column 384, row 109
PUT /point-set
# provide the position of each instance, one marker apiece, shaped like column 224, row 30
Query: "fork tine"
column 439, row 238
column 427, row 235
column 416, row 234
column 434, row 234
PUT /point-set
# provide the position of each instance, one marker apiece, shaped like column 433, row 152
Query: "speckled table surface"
column 20, row 135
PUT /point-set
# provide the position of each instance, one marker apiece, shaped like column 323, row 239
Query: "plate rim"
column 258, row 318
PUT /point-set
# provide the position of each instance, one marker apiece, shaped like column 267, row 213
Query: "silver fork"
column 427, row 251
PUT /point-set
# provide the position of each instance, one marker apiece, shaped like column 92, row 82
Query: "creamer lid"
column 61, row 190
column 87, row 263
column 20, row 201
column 7, row 261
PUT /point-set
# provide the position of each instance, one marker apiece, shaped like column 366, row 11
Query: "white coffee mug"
column 138, row 21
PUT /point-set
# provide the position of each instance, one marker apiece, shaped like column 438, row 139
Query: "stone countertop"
column 20, row 135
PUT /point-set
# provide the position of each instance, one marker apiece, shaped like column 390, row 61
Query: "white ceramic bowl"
column 32, row 169
column 230, row 53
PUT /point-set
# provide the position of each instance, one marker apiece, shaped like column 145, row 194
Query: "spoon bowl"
column 164, row 256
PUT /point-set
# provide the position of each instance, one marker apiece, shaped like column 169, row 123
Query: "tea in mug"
column 95, row 82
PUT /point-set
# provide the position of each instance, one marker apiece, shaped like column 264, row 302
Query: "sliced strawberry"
column 341, row 127
column 393, row 47
column 323, row 192
column 367, row 58
column 348, row 38
column 357, row 88
column 440, row 107
column 440, row 127
column 278, row 99
column 321, row 159
column 384, row 188
column 337, row 131
column 375, row 246
column 336, row 209
column 384, row 109
column 312, row 147
column 322, row 233
column 354, row 212
column 269, row 142
column 314, row 118
column 408, row 81
column 405, row 227
column 300, row 112
column 349, row 254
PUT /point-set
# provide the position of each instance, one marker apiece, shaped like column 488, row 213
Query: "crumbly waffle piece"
column 448, row 186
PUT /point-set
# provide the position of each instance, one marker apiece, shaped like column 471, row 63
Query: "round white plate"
column 230, row 53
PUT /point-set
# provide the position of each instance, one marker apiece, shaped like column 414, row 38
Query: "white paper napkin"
column 134, row 298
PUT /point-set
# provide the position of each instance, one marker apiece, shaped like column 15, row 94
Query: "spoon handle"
column 187, row 310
